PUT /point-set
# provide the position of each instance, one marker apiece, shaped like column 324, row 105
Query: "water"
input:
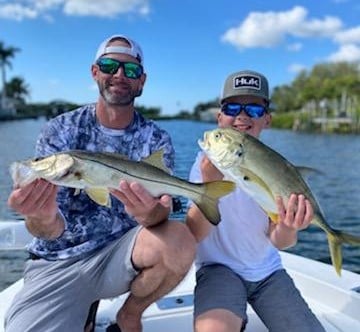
column 337, row 189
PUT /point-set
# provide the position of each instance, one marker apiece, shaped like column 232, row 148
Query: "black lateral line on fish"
column 147, row 179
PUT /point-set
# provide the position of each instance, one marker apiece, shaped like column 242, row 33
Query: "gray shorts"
column 57, row 294
column 275, row 299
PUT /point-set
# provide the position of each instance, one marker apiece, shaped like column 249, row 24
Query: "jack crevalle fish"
column 264, row 174
column 96, row 172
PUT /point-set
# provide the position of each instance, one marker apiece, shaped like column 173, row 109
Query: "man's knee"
column 180, row 247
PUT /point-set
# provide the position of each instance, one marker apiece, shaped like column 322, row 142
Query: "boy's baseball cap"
column 134, row 49
column 245, row 82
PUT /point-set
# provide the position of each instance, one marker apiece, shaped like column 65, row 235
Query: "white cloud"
column 105, row 8
column 268, row 29
column 31, row 9
column 17, row 12
column 43, row 5
column 347, row 52
column 296, row 68
column 318, row 28
column 294, row 47
column 349, row 36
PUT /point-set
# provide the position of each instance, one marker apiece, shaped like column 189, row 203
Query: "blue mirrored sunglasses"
column 111, row 66
column 252, row 110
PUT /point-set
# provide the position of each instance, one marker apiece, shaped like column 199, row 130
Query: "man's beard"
column 118, row 99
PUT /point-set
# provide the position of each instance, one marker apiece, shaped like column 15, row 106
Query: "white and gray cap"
column 134, row 49
column 245, row 82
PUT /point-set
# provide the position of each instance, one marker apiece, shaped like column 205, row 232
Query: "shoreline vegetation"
column 306, row 121
column 325, row 98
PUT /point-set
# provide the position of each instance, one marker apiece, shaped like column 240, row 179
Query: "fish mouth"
column 201, row 144
column 204, row 143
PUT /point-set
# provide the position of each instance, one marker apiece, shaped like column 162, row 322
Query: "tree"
column 324, row 81
column 17, row 89
column 283, row 98
column 6, row 53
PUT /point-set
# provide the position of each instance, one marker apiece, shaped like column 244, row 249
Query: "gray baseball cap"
column 245, row 82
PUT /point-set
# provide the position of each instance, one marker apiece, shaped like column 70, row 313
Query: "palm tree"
column 17, row 89
column 5, row 54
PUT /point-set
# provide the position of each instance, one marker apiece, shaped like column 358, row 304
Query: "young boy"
column 238, row 261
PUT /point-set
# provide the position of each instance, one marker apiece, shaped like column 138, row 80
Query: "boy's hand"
column 298, row 213
column 209, row 171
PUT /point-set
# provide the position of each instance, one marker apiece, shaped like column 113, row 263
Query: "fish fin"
column 335, row 251
column 274, row 217
column 99, row 195
column 156, row 160
column 208, row 203
column 336, row 239
column 306, row 172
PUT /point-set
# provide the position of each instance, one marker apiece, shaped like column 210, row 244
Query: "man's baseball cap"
column 245, row 82
column 134, row 49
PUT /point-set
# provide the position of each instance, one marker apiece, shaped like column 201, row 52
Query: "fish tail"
column 336, row 239
column 208, row 202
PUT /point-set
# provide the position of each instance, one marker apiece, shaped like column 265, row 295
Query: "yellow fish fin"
column 274, row 217
column 335, row 251
column 208, row 202
column 335, row 239
column 156, row 160
column 99, row 195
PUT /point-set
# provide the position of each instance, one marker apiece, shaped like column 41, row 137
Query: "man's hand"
column 146, row 209
column 37, row 202
column 37, row 199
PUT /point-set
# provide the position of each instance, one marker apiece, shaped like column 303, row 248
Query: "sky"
column 189, row 46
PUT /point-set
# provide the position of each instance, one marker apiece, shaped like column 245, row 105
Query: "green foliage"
column 323, row 81
column 283, row 121
column 17, row 89
column 6, row 53
column 149, row 112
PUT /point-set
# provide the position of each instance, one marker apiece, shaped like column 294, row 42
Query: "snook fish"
column 96, row 172
column 264, row 174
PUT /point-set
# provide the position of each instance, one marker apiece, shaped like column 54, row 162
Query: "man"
column 238, row 261
column 82, row 251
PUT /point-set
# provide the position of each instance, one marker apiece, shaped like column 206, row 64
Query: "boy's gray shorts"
column 275, row 299
column 57, row 294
